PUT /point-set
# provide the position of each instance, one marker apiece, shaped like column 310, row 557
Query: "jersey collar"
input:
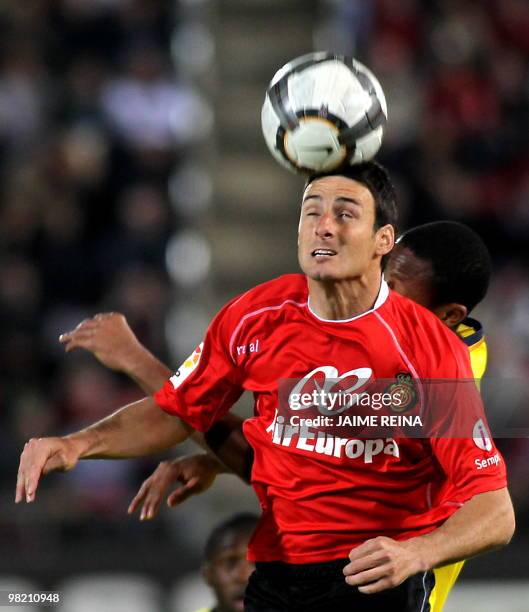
column 470, row 331
column 383, row 294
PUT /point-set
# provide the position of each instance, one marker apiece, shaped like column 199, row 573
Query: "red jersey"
column 322, row 495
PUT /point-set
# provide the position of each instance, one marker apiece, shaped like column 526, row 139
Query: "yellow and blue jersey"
column 471, row 333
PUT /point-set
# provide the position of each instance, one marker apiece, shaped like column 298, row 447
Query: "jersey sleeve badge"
column 189, row 365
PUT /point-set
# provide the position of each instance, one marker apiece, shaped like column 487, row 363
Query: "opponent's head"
column 225, row 567
column 347, row 222
column 444, row 266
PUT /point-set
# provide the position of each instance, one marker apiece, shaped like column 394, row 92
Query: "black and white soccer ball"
column 322, row 110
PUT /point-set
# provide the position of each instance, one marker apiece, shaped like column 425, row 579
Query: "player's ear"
column 451, row 314
column 385, row 239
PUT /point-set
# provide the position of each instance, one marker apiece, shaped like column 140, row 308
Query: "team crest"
column 187, row 367
column 403, row 393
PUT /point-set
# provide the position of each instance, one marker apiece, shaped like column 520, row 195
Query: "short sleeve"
column 459, row 433
column 207, row 384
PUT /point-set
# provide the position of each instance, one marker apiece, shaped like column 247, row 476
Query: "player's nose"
column 325, row 226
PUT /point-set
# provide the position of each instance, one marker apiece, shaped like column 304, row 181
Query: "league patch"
column 481, row 436
column 403, row 392
column 187, row 367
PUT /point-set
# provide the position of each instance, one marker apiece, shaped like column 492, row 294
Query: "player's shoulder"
column 288, row 288
column 424, row 333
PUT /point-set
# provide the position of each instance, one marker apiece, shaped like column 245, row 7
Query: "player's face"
column 337, row 240
column 410, row 276
column 228, row 571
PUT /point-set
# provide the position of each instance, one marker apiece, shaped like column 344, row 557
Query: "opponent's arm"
column 483, row 523
column 196, row 473
column 138, row 429
column 110, row 339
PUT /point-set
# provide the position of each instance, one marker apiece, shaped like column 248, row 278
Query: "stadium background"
column 135, row 178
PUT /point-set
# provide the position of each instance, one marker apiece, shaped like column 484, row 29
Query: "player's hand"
column 382, row 563
column 196, row 473
column 108, row 337
column 41, row 456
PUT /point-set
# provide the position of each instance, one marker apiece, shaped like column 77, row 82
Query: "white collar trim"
column 381, row 298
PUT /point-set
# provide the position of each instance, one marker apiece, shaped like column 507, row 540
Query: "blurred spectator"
column 87, row 142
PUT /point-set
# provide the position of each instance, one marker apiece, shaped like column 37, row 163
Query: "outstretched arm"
column 110, row 339
column 138, row 429
column 483, row 523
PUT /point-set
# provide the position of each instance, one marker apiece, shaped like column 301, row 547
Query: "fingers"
column 378, row 564
column 153, row 490
column 365, row 549
column 85, row 326
column 182, row 493
column 151, row 506
column 135, row 503
column 74, row 340
column 149, row 496
column 366, row 562
column 376, row 587
column 32, row 461
column 21, row 484
column 103, row 315
column 365, row 577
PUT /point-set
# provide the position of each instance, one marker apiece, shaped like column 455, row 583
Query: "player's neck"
column 337, row 300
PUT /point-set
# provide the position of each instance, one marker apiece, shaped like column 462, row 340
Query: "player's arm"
column 195, row 474
column 483, row 523
column 110, row 339
column 138, row 429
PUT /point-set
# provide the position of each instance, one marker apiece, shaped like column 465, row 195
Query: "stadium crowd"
column 93, row 124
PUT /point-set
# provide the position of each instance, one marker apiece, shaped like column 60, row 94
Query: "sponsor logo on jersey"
column 481, row 436
column 252, row 347
column 332, row 396
column 315, row 441
column 189, row 365
column 403, row 393
column 482, row 464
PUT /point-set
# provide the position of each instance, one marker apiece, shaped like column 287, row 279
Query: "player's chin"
column 323, row 273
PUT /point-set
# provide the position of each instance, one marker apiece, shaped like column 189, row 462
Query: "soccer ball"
column 322, row 110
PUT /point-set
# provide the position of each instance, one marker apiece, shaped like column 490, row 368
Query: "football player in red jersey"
column 444, row 266
column 325, row 501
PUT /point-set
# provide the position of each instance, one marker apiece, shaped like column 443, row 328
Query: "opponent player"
column 411, row 506
column 444, row 266
column 226, row 569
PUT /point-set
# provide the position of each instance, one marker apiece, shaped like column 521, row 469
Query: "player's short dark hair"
column 245, row 522
column 376, row 178
column 460, row 261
